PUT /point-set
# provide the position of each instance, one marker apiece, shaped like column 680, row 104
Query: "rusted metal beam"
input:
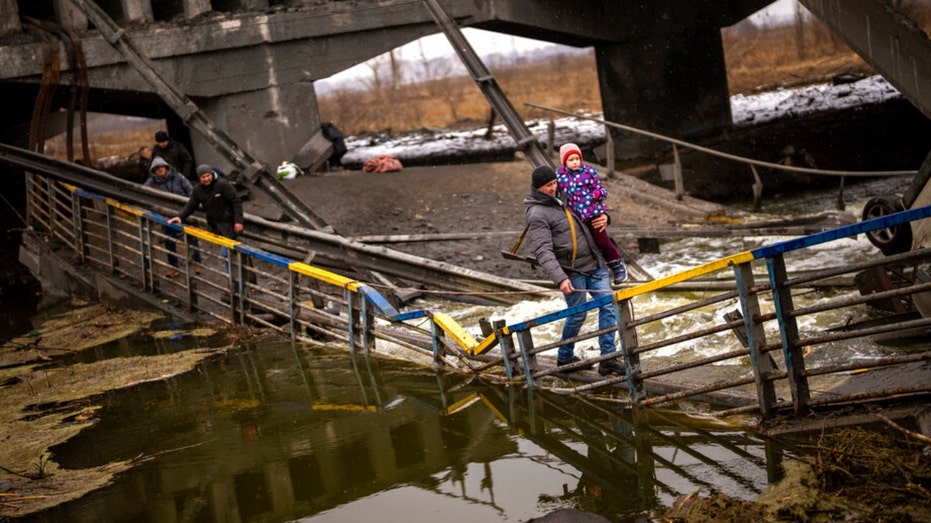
column 526, row 141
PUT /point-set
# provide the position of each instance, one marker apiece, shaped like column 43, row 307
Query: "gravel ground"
column 483, row 200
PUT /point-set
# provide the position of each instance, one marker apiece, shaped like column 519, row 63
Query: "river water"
column 277, row 432
column 282, row 432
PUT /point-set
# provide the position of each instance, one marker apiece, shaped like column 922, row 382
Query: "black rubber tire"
column 891, row 240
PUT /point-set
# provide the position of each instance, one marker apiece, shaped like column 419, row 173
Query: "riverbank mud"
column 852, row 474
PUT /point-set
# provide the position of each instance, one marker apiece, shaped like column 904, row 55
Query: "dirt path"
column 483, row 198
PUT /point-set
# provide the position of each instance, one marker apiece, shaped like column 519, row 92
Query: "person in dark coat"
column 335, row 136
column 164, row 178
column 565, row 249
column 175, row 153
column 218, row 198
column 144, row 157
column 223, row 207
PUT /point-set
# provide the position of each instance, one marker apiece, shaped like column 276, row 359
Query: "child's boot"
column 619, row 270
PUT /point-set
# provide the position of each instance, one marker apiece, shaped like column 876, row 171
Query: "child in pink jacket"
column 586, row 196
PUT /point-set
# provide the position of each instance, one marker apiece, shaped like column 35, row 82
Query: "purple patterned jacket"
column 584, row 191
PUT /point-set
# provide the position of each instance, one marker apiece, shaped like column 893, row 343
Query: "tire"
column 891, row 240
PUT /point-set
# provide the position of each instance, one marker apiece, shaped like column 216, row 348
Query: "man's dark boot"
column 575, row 359
column 610, row 367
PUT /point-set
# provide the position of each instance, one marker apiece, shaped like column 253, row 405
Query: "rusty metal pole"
column 629, row 342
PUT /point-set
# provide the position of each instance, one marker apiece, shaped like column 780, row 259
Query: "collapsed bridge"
column 759, row 330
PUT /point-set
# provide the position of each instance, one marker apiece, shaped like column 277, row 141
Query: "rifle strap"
column 520, row 240
column 575, row 245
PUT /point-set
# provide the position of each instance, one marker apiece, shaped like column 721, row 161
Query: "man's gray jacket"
column 551, row 237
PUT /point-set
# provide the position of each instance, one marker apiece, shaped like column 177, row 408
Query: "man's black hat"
column 542, row 175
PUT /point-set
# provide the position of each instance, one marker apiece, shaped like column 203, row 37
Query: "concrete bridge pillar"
column 271, row 123
column 193, row 8
column 673, row 84
column 253, row 5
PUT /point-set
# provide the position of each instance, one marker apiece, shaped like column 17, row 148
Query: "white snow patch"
column 745, row 109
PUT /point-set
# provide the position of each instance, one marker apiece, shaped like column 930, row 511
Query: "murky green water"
column 278, row 432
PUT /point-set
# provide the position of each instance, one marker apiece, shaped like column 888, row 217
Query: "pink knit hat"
column 568, row 149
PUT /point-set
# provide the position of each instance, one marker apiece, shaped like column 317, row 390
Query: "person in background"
column 175, row 153
column 335, row 136
column 586, row 196
column 144, row 157
column 164, row 178
column 565, row 249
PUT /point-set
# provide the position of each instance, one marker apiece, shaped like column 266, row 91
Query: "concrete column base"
column 194, row 8
column 272, row 124
column 673, row 84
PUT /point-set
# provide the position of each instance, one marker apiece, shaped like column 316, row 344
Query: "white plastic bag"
column 288, row 171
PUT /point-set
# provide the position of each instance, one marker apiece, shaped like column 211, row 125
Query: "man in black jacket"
column 175, row 153
column 218, row 198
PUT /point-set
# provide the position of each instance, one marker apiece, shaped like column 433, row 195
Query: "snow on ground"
column 746, row 110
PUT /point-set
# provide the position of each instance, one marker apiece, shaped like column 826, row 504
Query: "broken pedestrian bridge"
column 779, row 339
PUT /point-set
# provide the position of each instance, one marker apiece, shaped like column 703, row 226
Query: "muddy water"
column 282, row 432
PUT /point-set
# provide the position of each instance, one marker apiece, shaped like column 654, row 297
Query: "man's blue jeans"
column 598, row 285
column 170, row 236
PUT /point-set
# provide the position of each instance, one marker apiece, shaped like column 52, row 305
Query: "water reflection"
column 278, row 432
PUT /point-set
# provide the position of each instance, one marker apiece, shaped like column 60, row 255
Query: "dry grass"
column 123, row 144
column 756, row 60
column 786, row 56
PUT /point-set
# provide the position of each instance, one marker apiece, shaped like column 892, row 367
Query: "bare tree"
column 440, row 82
column 395, row 71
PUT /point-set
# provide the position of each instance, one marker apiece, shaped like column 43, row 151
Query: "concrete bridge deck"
column 250, row 65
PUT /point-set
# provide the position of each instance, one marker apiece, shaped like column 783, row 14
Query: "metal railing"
column 231, row 281
column 768, row 323
column 775, row 370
